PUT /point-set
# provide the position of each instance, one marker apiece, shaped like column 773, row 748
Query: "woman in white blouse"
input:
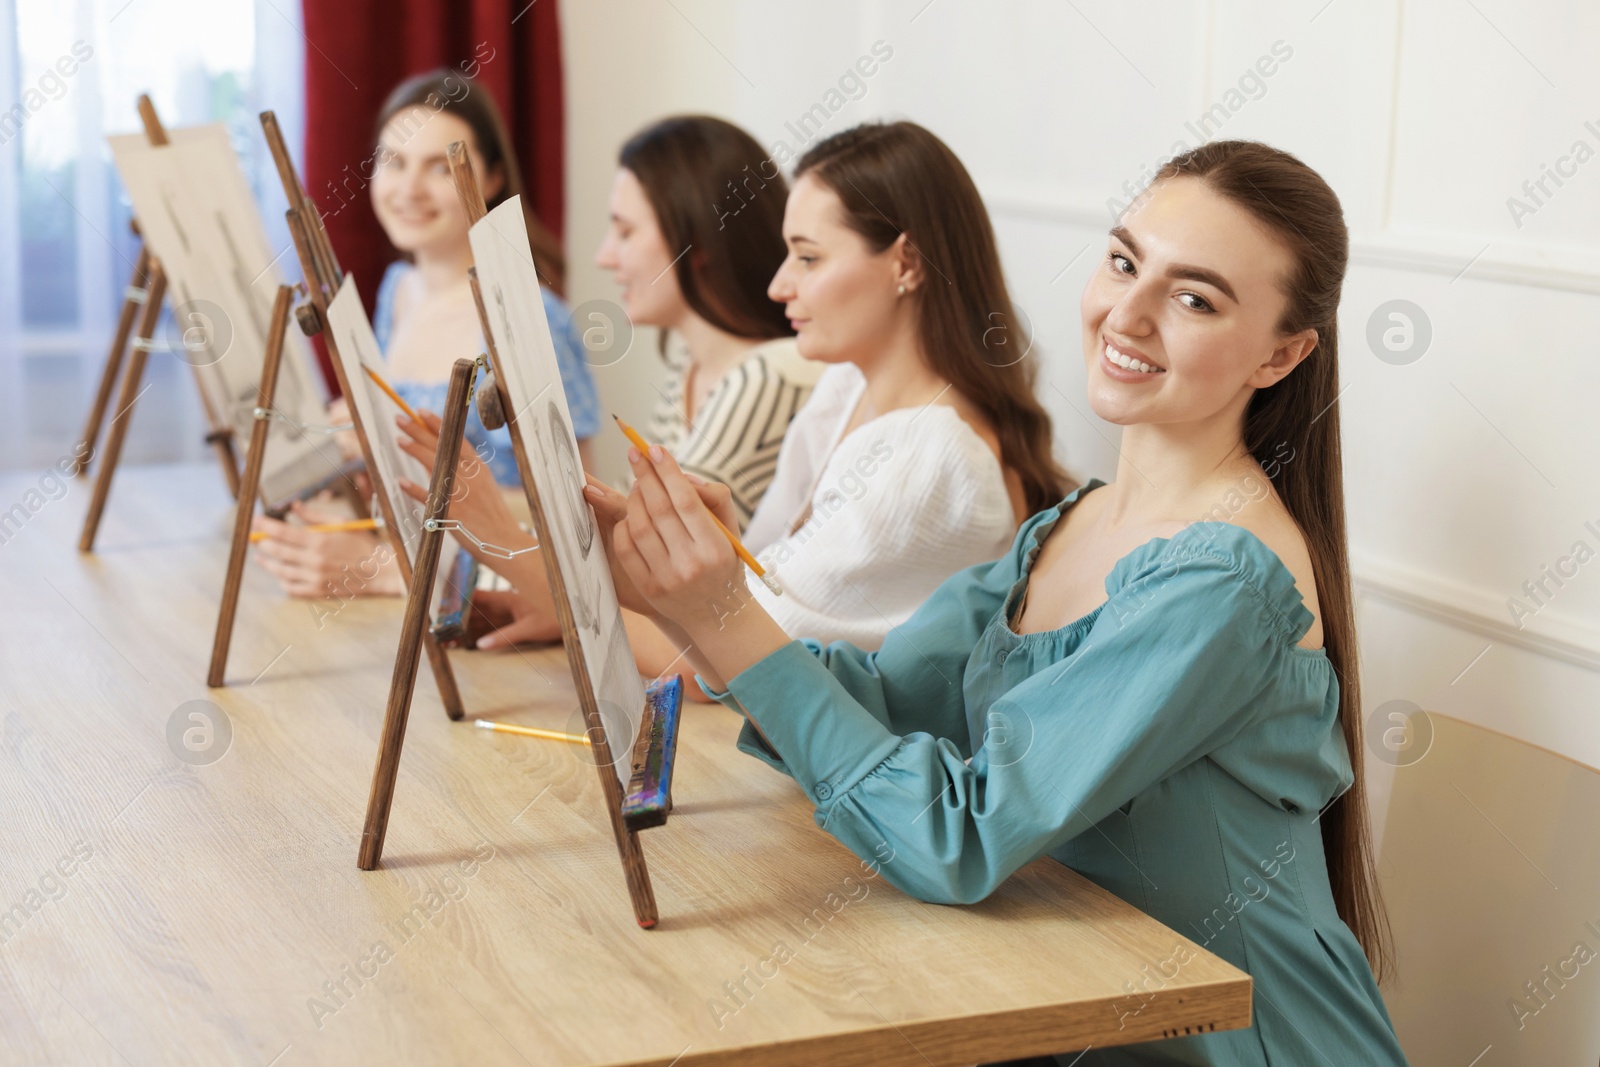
column 923, row 445
column 917, row 484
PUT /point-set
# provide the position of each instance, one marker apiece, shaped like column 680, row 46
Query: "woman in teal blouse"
column 1150, row 686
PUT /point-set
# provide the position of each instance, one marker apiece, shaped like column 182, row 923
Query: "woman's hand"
column 672, row 551
column 309, row 564
column 611, row 507
column 513, row 621
column 475, row 500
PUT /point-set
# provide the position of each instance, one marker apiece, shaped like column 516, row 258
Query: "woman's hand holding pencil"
column 611, row 507
column 668, row 542
column 324, row 553
column 733, row 539
column 671, row 549
column 475, row 501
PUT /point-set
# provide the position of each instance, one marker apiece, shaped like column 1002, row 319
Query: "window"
column 69, row 75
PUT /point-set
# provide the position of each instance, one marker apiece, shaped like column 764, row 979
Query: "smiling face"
column 412, row 193
column 1193, row 288
column 635, row 252
column 841, row 297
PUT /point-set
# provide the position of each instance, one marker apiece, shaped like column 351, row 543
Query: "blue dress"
column 494, row 446
column 1174, row 746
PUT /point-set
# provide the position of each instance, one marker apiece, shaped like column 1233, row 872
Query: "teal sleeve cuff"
column 724, row 698
column 825, row 739
column 751, row 744
column 749, row 741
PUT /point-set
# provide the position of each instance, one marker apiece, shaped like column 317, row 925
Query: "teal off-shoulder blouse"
column 1174, row 745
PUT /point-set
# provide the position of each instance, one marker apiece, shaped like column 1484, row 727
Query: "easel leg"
column 155, row 292
column 444, row 676
column 248, row 485
column 135, row 294
column 413, row 631
column 222, row 441
column 628, row 847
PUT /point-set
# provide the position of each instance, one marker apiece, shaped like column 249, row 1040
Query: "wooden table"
column 214, row 913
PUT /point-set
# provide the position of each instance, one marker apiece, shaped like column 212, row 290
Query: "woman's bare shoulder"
column 1272, row 524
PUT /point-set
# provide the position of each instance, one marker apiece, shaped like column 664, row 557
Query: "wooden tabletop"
column 164, row 905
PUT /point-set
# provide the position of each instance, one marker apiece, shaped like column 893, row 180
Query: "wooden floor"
column 165, row 910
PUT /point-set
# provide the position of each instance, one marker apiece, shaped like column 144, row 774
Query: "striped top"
column 739, row 429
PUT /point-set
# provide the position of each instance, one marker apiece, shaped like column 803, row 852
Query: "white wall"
column 626, row 64
column 1466, row 470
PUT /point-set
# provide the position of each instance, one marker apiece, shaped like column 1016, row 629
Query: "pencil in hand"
column 750, row 561
column 389, row 389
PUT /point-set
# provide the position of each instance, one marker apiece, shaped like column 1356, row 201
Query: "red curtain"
column 358, row 50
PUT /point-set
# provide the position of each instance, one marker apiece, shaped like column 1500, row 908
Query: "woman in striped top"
column 696, row 233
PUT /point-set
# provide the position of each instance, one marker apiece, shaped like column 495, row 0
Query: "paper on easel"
column 539, row 417
column 197, row 216
column 357, row 346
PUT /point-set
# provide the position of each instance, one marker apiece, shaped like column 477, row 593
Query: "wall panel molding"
column 1547, row 633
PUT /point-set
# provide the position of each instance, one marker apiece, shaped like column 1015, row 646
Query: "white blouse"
column 896, row 507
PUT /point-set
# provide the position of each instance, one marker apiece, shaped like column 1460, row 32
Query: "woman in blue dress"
column 425, row 317
column 1157, row 685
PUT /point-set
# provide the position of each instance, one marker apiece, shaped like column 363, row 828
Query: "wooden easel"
column 649, row 797
column 249, row 484
column 146, row 288
column 322, row 278
column 414, row 628
column 133, row 296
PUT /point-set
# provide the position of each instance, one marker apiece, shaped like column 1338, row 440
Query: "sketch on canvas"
column 356, row 345
column 539, row 416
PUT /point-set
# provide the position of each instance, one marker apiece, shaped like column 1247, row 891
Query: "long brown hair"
column 895, row 178
column 717, row 196
column 455, row 94
column 1295, row 203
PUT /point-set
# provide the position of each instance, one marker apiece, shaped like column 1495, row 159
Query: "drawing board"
column 198, row 217
column 539, row 416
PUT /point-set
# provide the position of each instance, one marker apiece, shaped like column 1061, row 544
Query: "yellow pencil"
column 744, row 553
column 326, row 527
column 529, row 731
column 387, row 388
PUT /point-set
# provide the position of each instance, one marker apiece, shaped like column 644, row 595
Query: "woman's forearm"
column 736, row 642
column 722, row 651
column 695, row 658
column 706, row 669
column 528, row 576
column 656, row 654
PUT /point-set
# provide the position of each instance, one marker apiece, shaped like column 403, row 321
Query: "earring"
column 902, row 290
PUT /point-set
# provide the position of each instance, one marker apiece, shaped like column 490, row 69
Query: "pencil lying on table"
column 744, row 553
column 387, row 388
column 325, row 527
column 530, row 731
